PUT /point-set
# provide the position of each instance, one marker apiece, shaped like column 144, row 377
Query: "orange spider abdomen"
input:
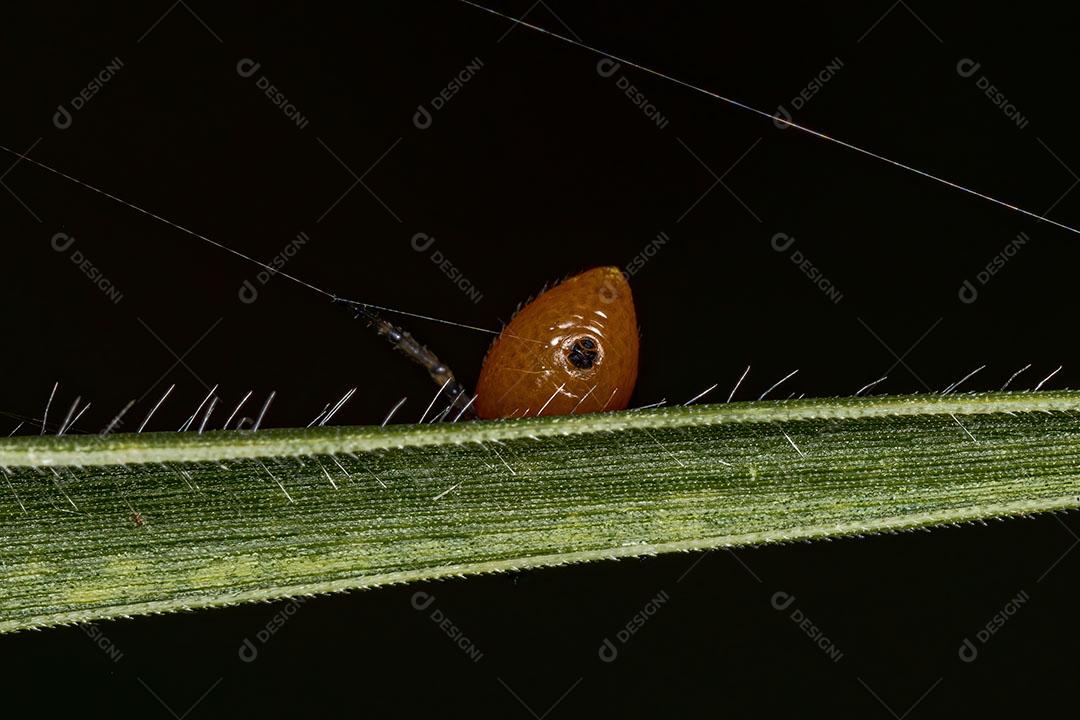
column 574, row 349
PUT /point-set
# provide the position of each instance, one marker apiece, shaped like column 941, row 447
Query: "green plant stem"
column 94, row 527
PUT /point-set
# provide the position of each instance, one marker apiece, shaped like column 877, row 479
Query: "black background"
column 540, row 167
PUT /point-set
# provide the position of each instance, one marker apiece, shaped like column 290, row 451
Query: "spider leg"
column 416, row 351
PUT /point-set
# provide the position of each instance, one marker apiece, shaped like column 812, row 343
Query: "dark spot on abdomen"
column 583, row 354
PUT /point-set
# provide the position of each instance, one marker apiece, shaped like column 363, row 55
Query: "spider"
column 574, row 348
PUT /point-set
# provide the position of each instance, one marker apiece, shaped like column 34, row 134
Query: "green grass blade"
column 95, row 527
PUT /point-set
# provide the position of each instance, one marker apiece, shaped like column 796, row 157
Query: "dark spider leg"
column 405, row 343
